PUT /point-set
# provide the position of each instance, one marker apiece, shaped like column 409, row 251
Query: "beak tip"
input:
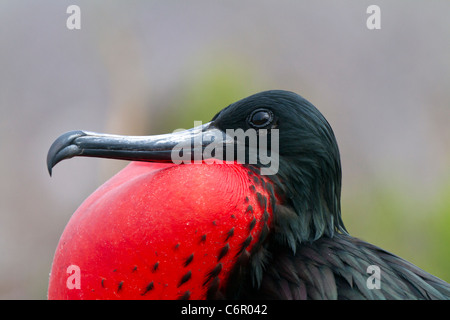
column 49, row 170
column 50, row 162
column 61, row 149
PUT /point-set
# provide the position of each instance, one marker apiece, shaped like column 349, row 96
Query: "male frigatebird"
column 211, row 230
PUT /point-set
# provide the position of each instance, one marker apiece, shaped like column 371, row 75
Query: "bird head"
column 308, row 175
column 265, row 171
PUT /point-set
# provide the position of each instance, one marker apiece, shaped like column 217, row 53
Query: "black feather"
column 343, row 276
column 306, row 251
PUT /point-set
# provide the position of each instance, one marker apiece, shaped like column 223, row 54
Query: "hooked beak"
column 157, row 148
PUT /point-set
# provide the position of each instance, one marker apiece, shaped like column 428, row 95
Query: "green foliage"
column 395, row 218
column 440, row 231
column 209, row 90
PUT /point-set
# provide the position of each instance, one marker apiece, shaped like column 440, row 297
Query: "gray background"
column 138, row 67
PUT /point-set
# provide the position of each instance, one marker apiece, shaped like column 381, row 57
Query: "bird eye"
column 260, row 118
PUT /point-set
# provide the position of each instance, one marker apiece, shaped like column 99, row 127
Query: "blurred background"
column 147, row 67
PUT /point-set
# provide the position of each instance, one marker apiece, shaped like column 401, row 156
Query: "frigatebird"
column 203, row 229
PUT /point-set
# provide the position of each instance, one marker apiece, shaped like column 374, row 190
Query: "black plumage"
column 308, row 253
column 336, row 268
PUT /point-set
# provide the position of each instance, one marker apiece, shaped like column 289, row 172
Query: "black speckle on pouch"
column 188, row 260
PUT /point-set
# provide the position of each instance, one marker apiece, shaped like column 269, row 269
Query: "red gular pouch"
column 161, row 231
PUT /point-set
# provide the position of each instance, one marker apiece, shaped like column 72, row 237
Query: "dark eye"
column 260, row 118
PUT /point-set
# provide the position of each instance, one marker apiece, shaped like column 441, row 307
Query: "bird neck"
column 308, row 205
